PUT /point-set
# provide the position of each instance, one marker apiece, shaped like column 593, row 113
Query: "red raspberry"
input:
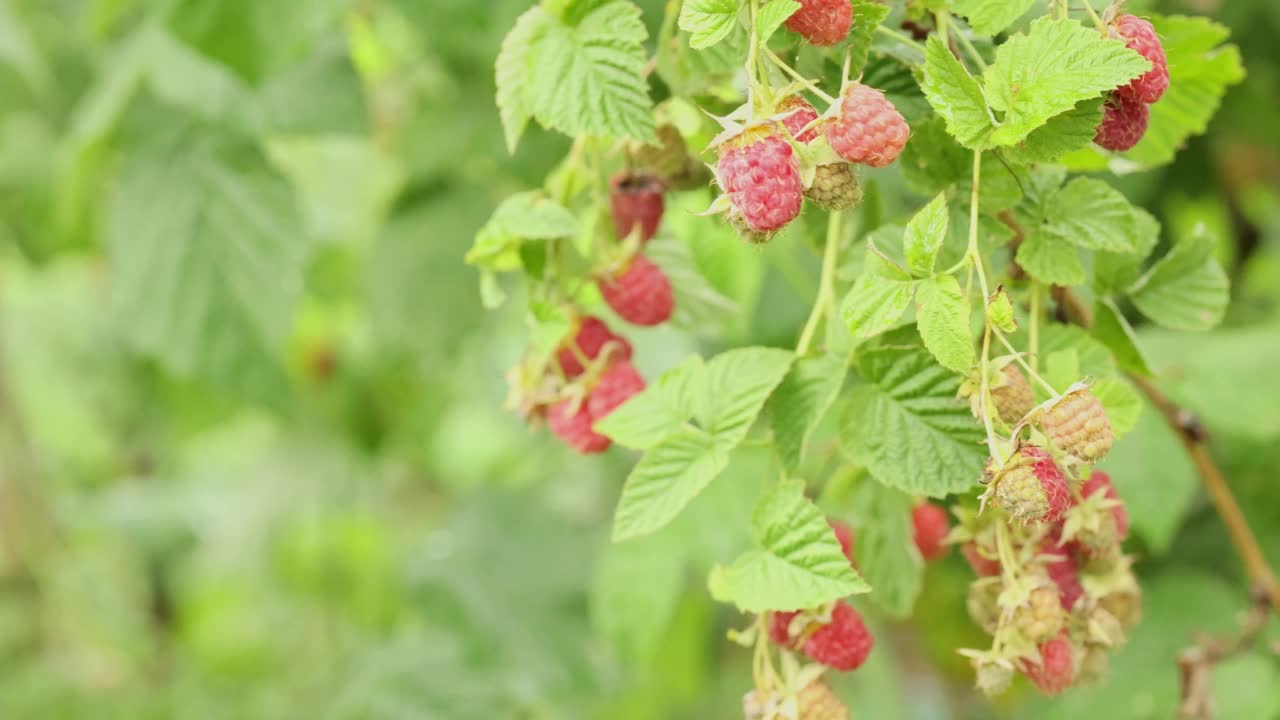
column 1031, row 486
column 1077, row 424
column 1140, row 35
column 636, row 201
column 573, row 426
column 1124, row 122
column 845, row 537
column 844, row 643
column 640, row 293
column 869, row 129
column 803, row 115
column 780, row 628
column 1055, row 670
column 835, row 187
column 591, row 337
column 982, row 565
column 931, row 526
column 1100, row 480
column 760, row 175
column 822, row 22
column 1064, row 572
column 616, row 386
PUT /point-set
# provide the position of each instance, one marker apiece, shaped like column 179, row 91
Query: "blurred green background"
column 254, row 461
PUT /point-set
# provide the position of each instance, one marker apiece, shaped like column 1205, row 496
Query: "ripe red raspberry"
column 1140, row 35
column 803, row 115
column 1055, row 670
column 869, row 129
column 780, row 628
column 640, row 293
column 1100, row 480
column 845, row 537
column 1124, row 122
column 1064, row 572
column 1012, row 397
column 931, row 525
column 1077, row 424
column 982, row 565
column 616, row 386
column 573, row 426
column 759, row 173
column 844, row 643
column 822, row 22
column 591, row 337
column 835, row 187
column 1031, row 486
column 636, row 202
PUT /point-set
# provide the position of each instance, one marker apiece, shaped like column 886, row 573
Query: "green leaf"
column 957, row 97
column 924, row 236
column 878, row 298
column 1152, row 450
column 590, row 77
column 932, row 162
column 1050, row 259
column 942, row 312
column 1093, row 358
column 1047, row 71
column 1112, row 328
column 634, row 621
column 699, row 307
column 797, row 562
column 991, row 17
column 905, row 424
column 523, row 216
column 867, row 15
column 1122, row 403
column 1000, row 311
column 1065, row 133
column 886, row 548
column 207, row 254
column 708, row 21
column 1113, row 273
column 738, row 383
column 670, row 474
column 1186, row 289
column 801, row 401
column 665, row 404
column 771, row 16
column 1093, row 215
column 514, row 70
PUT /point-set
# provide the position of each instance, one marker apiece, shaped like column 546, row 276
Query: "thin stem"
column 971, row 50
column 784, row 67
column 900, row 37
column 976, row 257
column 1034, row 330
column 1017, row 356
column 1097, row 21
column 825, row 284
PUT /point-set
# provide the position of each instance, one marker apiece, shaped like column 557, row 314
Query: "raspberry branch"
column 826, row 284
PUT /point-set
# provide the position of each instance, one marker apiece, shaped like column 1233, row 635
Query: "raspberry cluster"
column 1126, row 112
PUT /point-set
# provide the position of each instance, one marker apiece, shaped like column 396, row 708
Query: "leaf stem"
column 784, row 67
column 1033, row 331
column 1030, row 370
column 970, row 50
column 826, row 284
column 900, row 37
column 976, row 258
column 1097, row 21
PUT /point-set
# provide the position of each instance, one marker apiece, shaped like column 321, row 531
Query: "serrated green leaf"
column 942, row 313
column 879, row 297
column 1062, row 134
column 708, row 21
column 663, row 406
column 699, row 307
column 957, row 97
column 738, row 383
column 990, row 17
column 925, row 233
column 797, row 562
column 1062, row 368
column 513, row 70
column 771, row 16
column 1091, row 214
column 1094, row 359
column 1112, row 328
column 666, row 479
column 886, row 548
column 867, row 15
column 1046, row 71
column 590, row 77
column 800, row 402
column 1050, row 259
column 1113, row 273
column 523, row 216
column 1122, row 403
column 1187, row 288
column 1000, row 311
column 905, row 424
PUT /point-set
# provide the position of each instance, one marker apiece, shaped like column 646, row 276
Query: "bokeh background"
column 254, row 461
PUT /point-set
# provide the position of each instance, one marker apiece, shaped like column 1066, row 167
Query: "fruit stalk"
column 826, row 284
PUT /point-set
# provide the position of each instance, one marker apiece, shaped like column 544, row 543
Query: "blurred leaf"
column 1121, row 401
column 672, row 399
column 634, row 620
column 1113, row 329
column 886, row 548
column 800, row 402
column 708, row 21
column 770, row 17
column 1093, row 215
column 1152, row 450
column 698, row 306
column 1186, row 289
column 1051, row 259
column 989, row 17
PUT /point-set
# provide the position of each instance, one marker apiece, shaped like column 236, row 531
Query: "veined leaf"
column 708, row 21
column 924, row 236
column 513, row 70
column 886, row 548
column 670, row 474
column 523, row 216
column 990, row 17
column 665, row 404
column 771, row 16
column 1062, row 134
column 800, row 402
column 879, row 297
column 1091, row 214
column 1187, row 288
column 942, row 314
column 1050, row 259
column 957, row 97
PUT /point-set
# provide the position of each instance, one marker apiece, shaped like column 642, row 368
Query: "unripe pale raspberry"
column 591, row 337
column 1140, row 35
column 835, row 187
column 667, row 159
column 616, row 386
column 1064, row 572
column 844, row 643
column 822, row 22
column 1100, row 480
column 1041, row 617
column 640, row 293
column 982, row 565
column 1055, row 670
column 844, row 536
column 1077, row 424
column 1094, row 665
column 802, row 114
column 1013, row 397
column 759, row 172
column 869, row 129
column 982, row 602
column 637, row 205
column 571, row 422
column 993, row 678
column 1031, row 486
column 1124, row 122
column 930, row 526
column 818, row 702
column 1124, row 605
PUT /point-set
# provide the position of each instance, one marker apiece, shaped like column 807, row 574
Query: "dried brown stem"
column 1195, row 664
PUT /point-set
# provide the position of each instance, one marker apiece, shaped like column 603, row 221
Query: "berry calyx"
column 1031, row 487
column 1078, row 425
column 1054, row 671
column 842, row 644
column 637, row 204
column 1124, row 122
column 822, row 22
column 868, row 129
column 930, row 525
column 590, row 338
column 759, row 173
column 1140, row 35
column 617, row 385
column 640, row 293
